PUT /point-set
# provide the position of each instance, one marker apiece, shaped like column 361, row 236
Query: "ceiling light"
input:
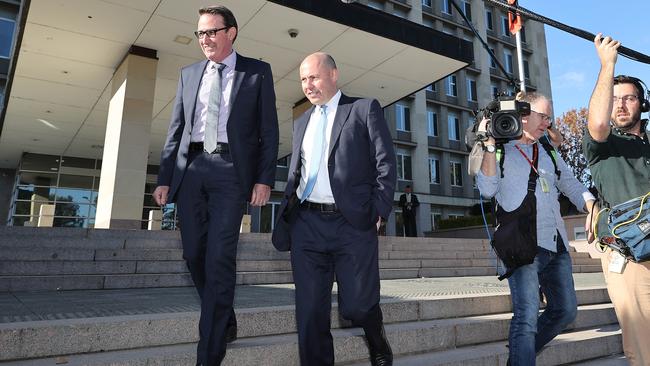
column 48, row 124
column 183, row 40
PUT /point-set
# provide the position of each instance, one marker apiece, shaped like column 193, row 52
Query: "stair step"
column 415, row 326
column 614, row 360
column 406, row 338
column 566, row 348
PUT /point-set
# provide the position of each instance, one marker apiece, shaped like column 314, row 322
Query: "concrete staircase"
column 461, row 330
column 33, row 259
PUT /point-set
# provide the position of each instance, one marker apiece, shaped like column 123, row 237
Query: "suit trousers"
column 630, row 294
column 325, row 245
column 210, row 207
column 410, row 227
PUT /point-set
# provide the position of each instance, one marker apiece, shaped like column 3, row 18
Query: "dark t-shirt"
column 620, row 166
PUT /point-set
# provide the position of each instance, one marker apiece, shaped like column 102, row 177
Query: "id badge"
column 544, row 183
column 617, row 262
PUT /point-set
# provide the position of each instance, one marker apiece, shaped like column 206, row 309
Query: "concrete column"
column 155, row 220
column 46, row 216
column 126, row 146
column 420, row 158
column 7, row 183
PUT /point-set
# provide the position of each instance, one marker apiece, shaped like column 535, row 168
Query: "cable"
column 623, row 51
column 511, row 80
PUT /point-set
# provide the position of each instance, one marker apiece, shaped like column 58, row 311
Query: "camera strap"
column 532, row 163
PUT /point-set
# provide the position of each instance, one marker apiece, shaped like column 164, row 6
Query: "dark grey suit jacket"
column 252, row 126
column 361, row 166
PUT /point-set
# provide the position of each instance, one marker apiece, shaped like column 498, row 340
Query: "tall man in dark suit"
column 221, row 151
column 409, row 204
column 341, row 185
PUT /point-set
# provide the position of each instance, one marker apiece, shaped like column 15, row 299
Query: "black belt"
column 222, row 147
column 322, row 207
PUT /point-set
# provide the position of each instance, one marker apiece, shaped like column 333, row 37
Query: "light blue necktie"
column 212, row 117
column 316, row 152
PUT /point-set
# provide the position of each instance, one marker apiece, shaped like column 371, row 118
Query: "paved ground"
column 47, row 305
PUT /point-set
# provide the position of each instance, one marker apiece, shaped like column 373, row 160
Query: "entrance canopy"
column 58, row 103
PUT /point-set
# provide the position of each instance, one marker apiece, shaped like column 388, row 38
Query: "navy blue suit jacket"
column 361, row 166
column 252, row 126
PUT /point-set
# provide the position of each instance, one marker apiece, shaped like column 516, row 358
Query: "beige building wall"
column 443, row 199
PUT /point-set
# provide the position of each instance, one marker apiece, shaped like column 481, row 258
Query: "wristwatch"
column 489, row 148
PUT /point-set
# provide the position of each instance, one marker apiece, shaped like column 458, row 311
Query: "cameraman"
column 618, row 152
column 551, row 268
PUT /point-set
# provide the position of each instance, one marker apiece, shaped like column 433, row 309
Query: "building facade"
column 429, row 125
column 428, row 129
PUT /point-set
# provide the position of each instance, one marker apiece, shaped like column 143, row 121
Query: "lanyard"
column 534, row 161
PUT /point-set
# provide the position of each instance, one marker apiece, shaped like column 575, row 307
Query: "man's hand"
column 607, row 49
column 160, row 195
column 593, row 212
column 261, row 194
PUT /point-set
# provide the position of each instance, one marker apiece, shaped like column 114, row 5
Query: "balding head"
column 318, row 76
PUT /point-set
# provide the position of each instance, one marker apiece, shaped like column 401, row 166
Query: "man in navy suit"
column 221, row 150
column 341, row 184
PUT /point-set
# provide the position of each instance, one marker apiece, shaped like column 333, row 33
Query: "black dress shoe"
column 231, row 333
column 380, row 352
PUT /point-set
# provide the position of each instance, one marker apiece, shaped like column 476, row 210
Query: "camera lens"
column 506, row 125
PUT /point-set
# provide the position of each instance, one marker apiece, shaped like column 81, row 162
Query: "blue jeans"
column 529, row 331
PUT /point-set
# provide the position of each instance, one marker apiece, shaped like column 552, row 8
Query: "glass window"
column 70, row 222
column 74, row 195
column 493, row 63
column 432, row 123
column 23, row 207
column 436, row 216
column 7, row 27
column 446, row 6
column 75, row 181
column 434, row 169
column 495, row 90
column 426, row 3
column 454, row 127
column 403, row 164
column 522, row 33
column 399, row 224
column 467, row 9
column 508, row 58
column 39, row 162
column 283, row 162
column 505, row 27
column 37, row 179
column 456, row 173
column 452, row 89
column 31, row 192
column 403, row 117
column 488, row 19
column 20, row 220
column 526, row 70
column 471, row 90
column 267, row 217
column 73, row 162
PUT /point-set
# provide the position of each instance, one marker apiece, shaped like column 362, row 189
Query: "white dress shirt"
column 201, row 110
column 322, row 192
